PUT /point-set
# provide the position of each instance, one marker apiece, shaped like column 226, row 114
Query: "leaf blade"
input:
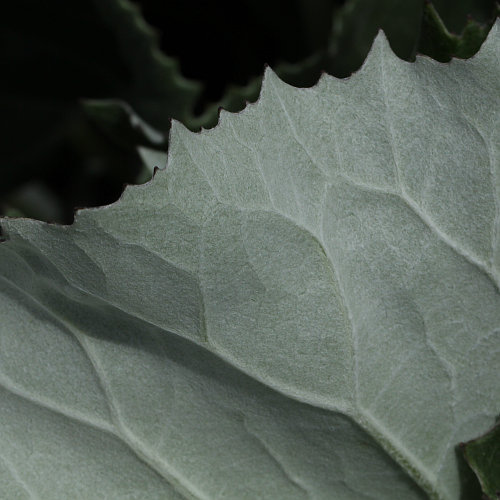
column 300, row 279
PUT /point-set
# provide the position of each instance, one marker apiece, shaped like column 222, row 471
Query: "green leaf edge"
column 167, row 69
column 470, row 448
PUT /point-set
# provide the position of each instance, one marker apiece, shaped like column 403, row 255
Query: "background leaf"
column 483, row 455
column 437, row 42
column 55, row 53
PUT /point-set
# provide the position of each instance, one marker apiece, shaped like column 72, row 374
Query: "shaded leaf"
column 121, row 124
column 437, row 42
column 483, row 455
column 55, row 53
column 227, row 46
column 455, row 14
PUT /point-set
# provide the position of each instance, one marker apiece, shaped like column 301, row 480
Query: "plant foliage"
column 304, row 303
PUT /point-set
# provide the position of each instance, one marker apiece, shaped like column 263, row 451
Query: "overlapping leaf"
column 483, row 456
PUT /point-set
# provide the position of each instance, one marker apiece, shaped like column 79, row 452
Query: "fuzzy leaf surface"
column 304, row 304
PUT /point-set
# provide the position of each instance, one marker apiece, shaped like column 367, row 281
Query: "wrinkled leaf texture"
column 303, row 304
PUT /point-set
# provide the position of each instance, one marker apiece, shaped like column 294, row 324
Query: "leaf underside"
column 304, row 304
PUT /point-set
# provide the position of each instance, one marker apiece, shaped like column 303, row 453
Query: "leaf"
column 34, row 200
column 352, row 30
column 151, row 160
column 357, row 22
column 455, row 14
column 409, row 28
column 121, row 124
column 483, row 455
column 437, row 42
column 304, row 303
column 223, row 46
column 95, row 49
column 302, row 74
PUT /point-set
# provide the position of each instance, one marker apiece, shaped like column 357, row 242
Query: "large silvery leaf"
column 304, row 304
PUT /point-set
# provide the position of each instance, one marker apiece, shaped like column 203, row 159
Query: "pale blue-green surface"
column 304, row 304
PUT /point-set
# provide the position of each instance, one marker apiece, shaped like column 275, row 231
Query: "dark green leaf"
column 483, row 455
column 439, row 43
